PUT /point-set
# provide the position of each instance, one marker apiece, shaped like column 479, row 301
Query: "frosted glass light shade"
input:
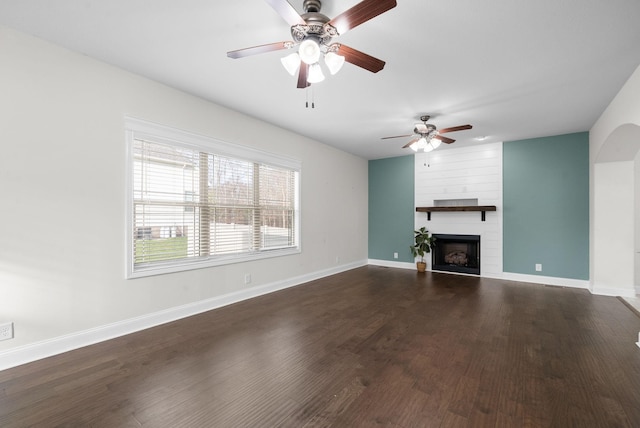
column 291, row 63
column 334, row 62
column 309, row 51
column 315, row 74
column 435, row 143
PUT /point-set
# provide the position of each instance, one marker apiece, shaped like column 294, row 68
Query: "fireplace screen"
column 457, row 253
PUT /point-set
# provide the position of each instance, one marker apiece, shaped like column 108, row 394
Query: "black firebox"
column 456, row 253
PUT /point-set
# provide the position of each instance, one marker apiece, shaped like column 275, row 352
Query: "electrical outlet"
column 6, row 331
column 395, row 255
column 538, row 267
column 247, row 278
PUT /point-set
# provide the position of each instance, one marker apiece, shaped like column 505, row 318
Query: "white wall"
column 636, row 181
column 464, row 173
column 613, row 257
column 614, row 141
column 62, row 180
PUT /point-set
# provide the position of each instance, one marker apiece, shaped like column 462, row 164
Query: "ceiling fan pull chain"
column 313, row 104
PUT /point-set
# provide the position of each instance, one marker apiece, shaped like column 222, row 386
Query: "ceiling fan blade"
column 444, row 139
column 254, row 50
column 397, row 136
column 360, row 13
column 455, row 128
column 360, row 59
column 286, row 11
column 413, row 140
column 302, row 75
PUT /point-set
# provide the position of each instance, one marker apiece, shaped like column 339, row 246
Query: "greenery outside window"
column 197, row 202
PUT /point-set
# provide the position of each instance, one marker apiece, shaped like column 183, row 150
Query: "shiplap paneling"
column 464, row 173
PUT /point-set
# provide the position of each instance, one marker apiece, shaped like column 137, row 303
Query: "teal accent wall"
column 391, row 208
column 546, row 206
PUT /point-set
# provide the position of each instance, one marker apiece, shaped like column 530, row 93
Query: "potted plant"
column 423, row 242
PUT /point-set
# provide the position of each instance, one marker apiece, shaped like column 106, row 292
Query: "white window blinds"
column 191, row 206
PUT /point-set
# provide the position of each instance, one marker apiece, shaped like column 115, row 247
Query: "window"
column 196, row 202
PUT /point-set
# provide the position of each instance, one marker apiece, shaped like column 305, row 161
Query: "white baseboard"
column 573, row 283
column 615, row 292
column 534, row 279
column 58, row 345
column 546, row 280
column 389, row 263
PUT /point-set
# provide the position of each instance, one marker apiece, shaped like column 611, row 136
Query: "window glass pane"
column 232, row 182
column 277, row 192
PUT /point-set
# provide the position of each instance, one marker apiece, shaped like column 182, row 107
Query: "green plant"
column 423, row 243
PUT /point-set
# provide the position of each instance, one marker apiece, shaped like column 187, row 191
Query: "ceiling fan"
column 313, row 32
column 426, row 137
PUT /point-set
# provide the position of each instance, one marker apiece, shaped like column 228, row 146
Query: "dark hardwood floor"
column 370, row 347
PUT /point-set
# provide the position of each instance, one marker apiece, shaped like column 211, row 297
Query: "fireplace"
column 457, row 253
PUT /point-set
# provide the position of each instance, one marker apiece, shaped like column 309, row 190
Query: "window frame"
column 141, row 129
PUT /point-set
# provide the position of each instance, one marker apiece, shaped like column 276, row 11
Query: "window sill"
column 187, row 265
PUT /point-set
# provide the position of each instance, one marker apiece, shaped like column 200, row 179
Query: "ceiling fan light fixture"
column 334, row 62
column 309, row 51
column 291, row 63
column 421, row 144
column 315, row 74
column 435, row 142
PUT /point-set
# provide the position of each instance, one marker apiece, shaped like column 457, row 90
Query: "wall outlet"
column 247, row 278
column 6, row 331
column 395, row 255
column 538, row 267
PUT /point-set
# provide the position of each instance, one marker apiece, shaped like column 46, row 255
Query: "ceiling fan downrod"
column 311, row 5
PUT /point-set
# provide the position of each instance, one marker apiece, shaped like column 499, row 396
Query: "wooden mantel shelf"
column 482, row 208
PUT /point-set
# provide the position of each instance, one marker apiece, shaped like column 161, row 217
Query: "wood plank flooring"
column 370, row 347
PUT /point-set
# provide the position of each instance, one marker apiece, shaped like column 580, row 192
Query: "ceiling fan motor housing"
column 316, row 25
column 424, row 130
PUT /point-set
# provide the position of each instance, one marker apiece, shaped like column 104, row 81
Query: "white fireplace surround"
column 471, row 174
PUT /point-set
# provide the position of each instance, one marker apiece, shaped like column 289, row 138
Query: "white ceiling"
column 514, row 69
